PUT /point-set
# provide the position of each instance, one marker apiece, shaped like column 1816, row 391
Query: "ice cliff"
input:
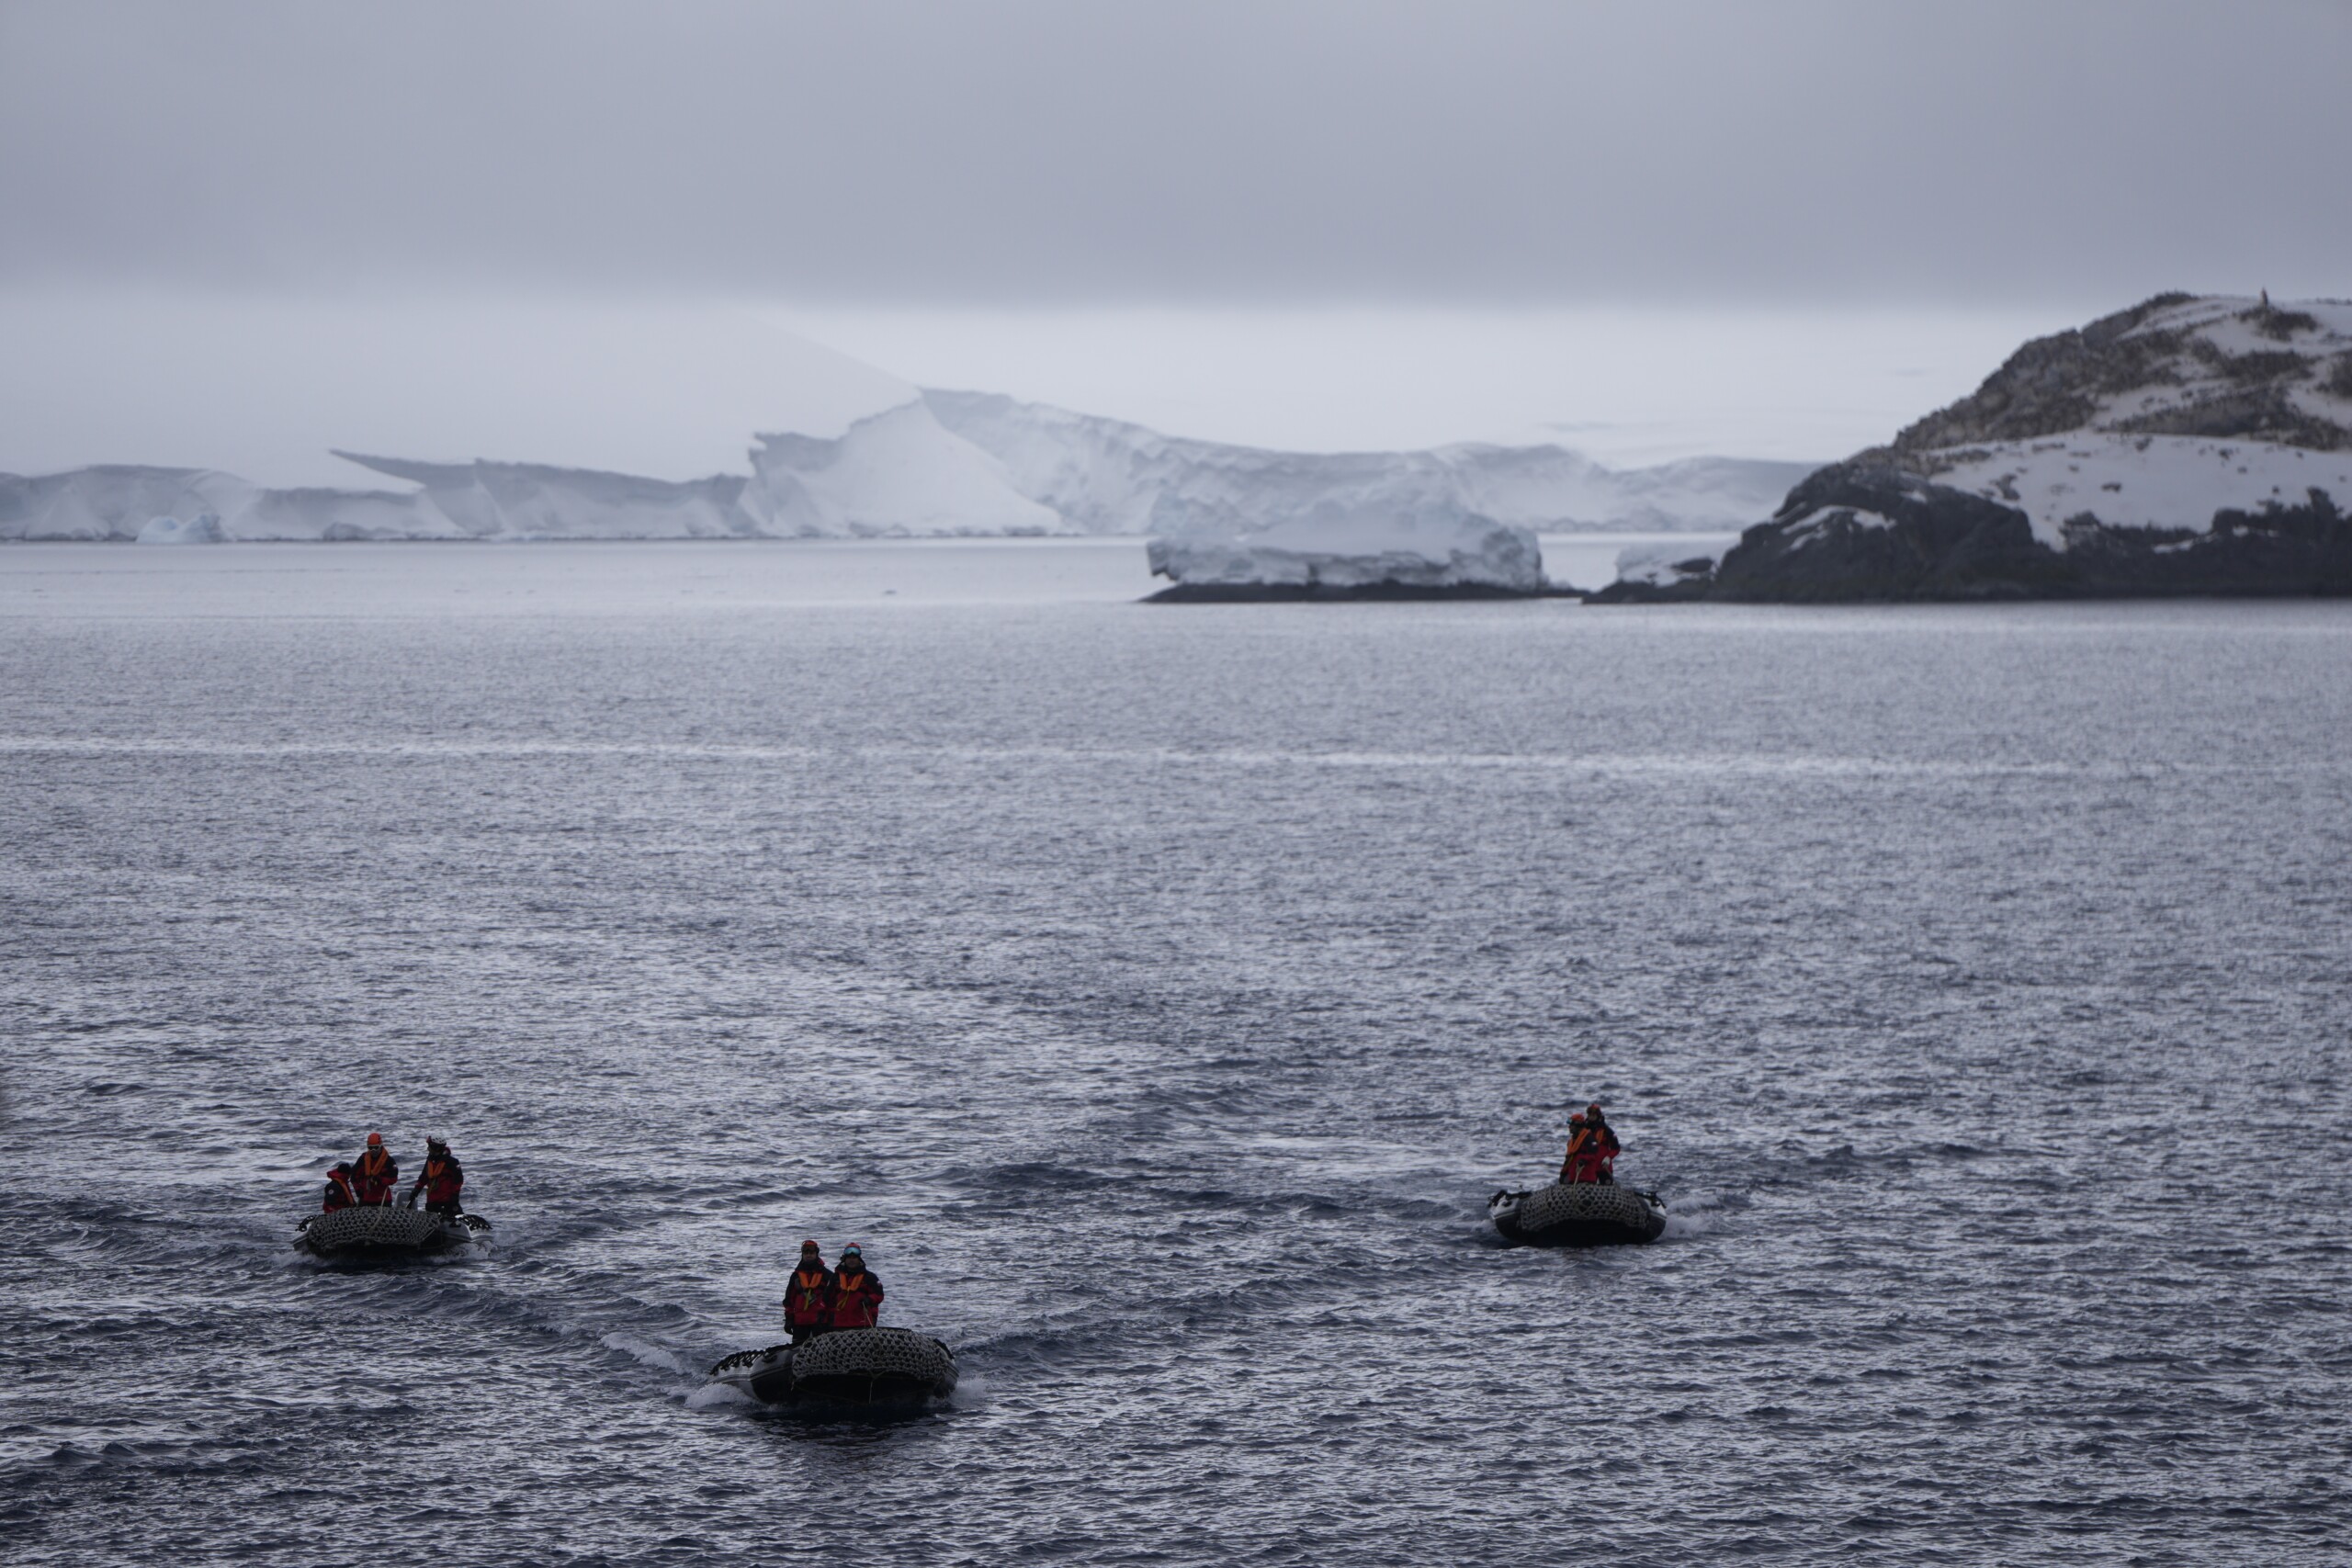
column 2190, row 444
column 1224, row 519
column 962, row 463
column 894, row 473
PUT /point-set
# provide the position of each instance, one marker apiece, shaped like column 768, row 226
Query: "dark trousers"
column 449, row 1210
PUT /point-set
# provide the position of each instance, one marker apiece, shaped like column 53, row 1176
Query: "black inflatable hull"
column 864, row 1369
column 384, row 1233
column 1580, row 1214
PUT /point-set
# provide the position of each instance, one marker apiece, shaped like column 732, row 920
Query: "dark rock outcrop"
column 1858, row 532
column 2071, row 472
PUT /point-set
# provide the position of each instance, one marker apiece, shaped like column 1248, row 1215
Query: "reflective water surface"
column 1157, row 994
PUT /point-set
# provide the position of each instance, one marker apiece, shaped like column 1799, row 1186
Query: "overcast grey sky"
column 1081, row 166
column 1084, row 151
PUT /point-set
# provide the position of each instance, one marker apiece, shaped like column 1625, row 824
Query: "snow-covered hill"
column 2187, row 445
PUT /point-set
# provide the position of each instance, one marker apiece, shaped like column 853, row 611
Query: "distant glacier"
column 944, row 463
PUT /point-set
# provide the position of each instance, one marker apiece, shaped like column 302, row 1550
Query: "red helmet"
column 809, row 1245
column 374, row 1140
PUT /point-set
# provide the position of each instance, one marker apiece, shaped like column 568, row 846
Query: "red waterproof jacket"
column 374, row 1174
column 808, row 1300
column 339, row 1194
column 1579, row 1156
column 857, row 1299
column 442, row 1180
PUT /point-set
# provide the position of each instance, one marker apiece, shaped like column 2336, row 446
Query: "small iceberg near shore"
column 1346, row 552
column 201, row 529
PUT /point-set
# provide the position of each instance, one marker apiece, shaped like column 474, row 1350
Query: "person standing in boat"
column 1579, row 1157
column 441, row 1180
column 1604, row 1143
column 377, row 1173
column 808, row 1298
column 857, row 1294
column 339, row 1194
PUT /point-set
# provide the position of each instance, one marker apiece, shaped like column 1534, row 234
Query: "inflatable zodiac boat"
column 1583, row 1214
column 877, row 1367
column 380, row 1230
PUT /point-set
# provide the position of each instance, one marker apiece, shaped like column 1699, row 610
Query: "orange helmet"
column 374, row 1140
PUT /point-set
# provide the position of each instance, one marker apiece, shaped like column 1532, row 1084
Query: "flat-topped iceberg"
column 1337, row 553
column 1339, row 524
column 1237, row 522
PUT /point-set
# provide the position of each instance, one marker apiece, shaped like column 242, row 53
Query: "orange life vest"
column 443, row 1177
column 374, row 1176
column 339, row 1194
column 857, row 1300
column 805, row 1297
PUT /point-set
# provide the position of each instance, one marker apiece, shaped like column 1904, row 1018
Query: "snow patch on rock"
column 1810, row 527
column 1666, row 565
column 2169, row 483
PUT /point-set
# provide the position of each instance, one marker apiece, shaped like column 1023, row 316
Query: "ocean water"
column 1158, row 993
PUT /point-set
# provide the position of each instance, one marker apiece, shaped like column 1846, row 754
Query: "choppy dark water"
column 1158, row 994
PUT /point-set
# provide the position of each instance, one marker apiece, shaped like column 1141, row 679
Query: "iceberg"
column 894, row 474
column 523, row 500
column 1342, row 553
column 1225, row 520
column 1112, row 477
column 202, row 529
column 941, row 463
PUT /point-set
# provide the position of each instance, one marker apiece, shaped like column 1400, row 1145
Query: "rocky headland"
column 2192, row 444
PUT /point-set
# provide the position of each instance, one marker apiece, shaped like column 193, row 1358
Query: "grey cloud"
column 1060, row 153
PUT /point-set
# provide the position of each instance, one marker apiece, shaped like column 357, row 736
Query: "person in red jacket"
column 1579, row 1156
column 339, row 1194
column 1604, row 1143
column 441, row 1180
column 857, row 1294
column 377, row 1173
column 808, row 1298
